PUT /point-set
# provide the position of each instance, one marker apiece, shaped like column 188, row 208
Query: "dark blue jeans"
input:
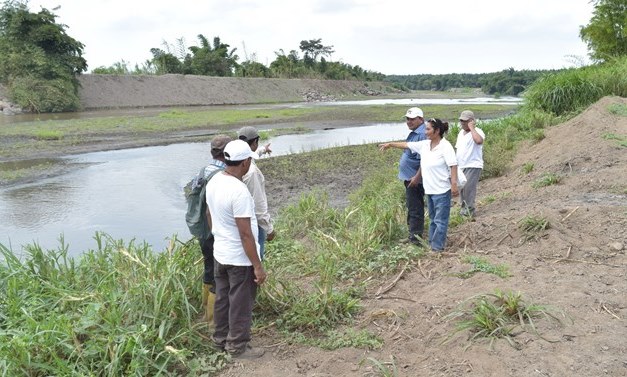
column 439, row 211
column 415, row 200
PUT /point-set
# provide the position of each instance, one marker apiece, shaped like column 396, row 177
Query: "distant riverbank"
column 122, row 91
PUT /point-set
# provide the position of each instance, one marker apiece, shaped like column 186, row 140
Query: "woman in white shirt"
column 438, row 167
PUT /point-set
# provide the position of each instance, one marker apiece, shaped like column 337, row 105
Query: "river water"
column 135, row 193
column 138, row 193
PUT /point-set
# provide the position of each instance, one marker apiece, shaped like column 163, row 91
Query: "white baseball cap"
column 414, row 112
column 238, row 150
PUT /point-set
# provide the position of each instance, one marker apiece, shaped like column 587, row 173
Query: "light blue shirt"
column 410, row 161
column 213, row 166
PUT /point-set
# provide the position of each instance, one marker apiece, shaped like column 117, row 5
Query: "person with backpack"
column 197, row 221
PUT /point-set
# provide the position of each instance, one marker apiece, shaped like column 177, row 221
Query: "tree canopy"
column 39, row 61
column 606, row 34
column 218, row 59
column 506, row 82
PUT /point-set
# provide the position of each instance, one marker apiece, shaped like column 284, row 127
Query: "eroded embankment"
column 117, row 91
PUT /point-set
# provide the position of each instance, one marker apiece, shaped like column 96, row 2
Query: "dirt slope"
column 578, row 266
column 119, row 91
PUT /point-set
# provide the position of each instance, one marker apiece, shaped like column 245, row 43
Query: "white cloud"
column 393, row 37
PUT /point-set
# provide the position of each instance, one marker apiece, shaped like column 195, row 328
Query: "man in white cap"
column 238, row 268
column 256, row 183
column 408, row 173
column 469, row 148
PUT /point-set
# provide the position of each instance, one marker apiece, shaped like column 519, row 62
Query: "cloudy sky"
column 388, row 36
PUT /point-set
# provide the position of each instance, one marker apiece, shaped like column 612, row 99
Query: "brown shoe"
column 249, row 352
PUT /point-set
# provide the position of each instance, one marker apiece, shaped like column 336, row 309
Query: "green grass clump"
column 334, row 339
column 537, row 136
column 483, row 265
column 48, row 134
column 493, row 198
column 527, row 167
column 455, row 218
column 120, row 309
column 497, row 316
column 547, row 179
column 621, row 139
column 383, row 368
column 533, row 226
column 618, row 109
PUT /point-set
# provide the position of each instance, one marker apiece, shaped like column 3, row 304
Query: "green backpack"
column 197, row 206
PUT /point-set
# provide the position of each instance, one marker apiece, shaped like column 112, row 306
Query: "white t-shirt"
column 435, row 165
column 469, row 153
column 228, row 198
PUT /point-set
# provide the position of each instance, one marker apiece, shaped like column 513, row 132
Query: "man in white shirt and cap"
column 469, row 148
column 238, row 268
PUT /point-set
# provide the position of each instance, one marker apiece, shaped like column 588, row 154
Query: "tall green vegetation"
column 123, row 68
column 217, row 59
column 569, row 91
column 120, row 309
column 606, row 34
column 326, row 255
column 574, row 89
column 39, row 61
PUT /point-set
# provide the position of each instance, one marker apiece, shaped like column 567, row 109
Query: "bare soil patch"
column 578, row 267
column 123, row 91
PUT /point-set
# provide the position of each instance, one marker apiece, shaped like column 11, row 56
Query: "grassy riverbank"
column 28, row 147
column 24, row 139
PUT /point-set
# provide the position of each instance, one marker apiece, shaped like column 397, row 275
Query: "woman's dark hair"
column 439, row 125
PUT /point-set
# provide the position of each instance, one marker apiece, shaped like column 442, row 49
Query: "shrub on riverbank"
column 574, row 89
column 333, row 251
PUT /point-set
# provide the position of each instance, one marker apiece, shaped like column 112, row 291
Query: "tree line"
column 508, row 82
column 39, row 61
column 216, row 58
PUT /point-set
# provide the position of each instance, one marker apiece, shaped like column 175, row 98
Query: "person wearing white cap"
column 469, row 148
column 408, row 173
column 256, row 183
column 238, row 267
